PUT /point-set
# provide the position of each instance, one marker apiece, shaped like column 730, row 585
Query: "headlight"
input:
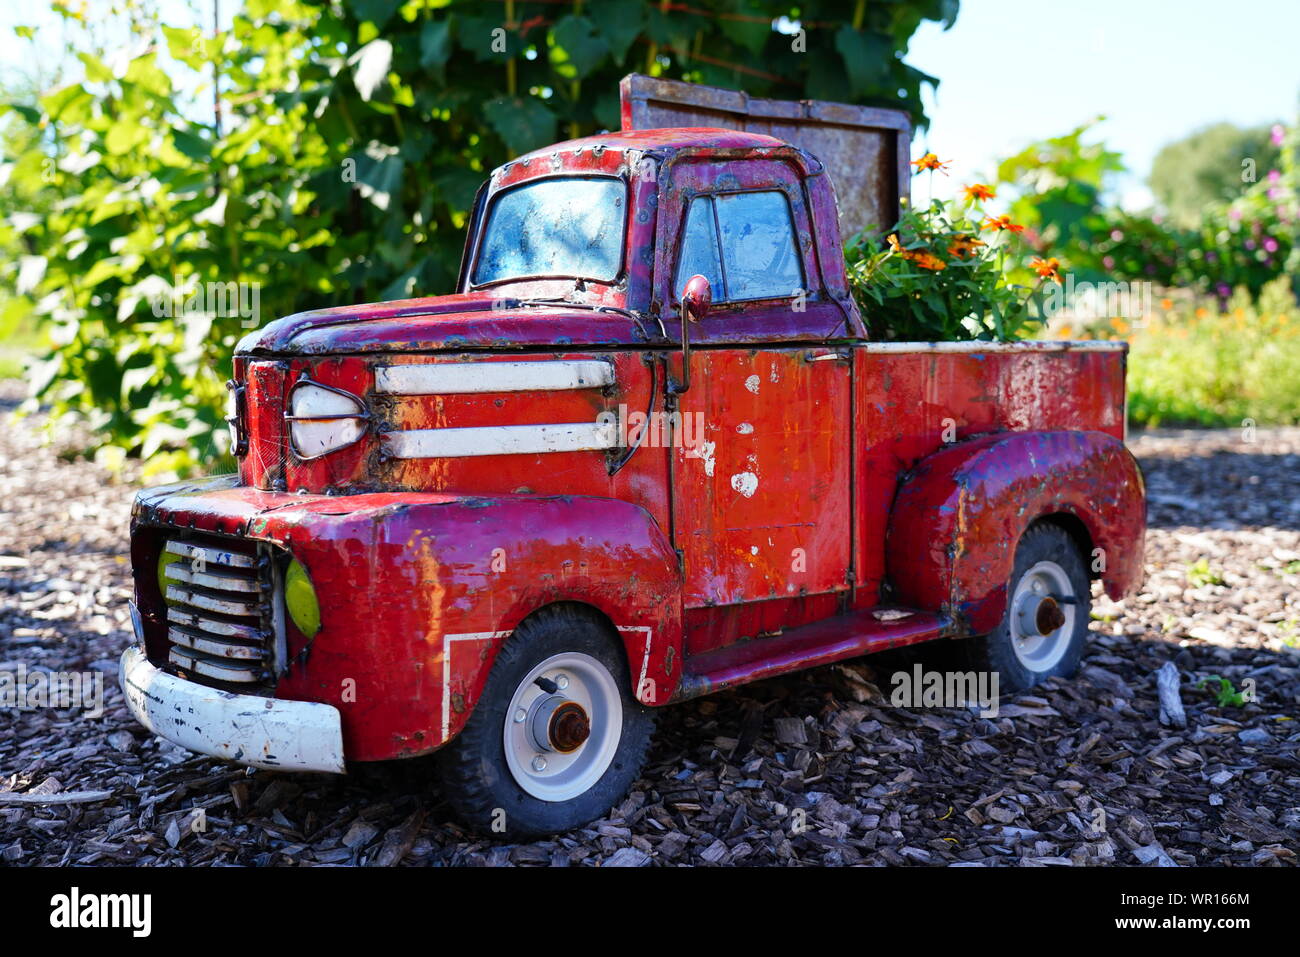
column 323, row 419
column 235, row 418
column 300, row 599
column 165, row 559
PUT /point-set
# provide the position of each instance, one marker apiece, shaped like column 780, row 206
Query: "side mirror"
column 697, row 297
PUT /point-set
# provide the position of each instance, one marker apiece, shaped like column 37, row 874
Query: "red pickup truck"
column 645, row 452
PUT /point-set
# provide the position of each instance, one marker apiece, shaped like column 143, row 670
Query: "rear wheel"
column 557, row 738
column 1045, row 626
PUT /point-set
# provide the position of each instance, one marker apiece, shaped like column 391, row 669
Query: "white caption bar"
column 446, row 378
column 500, row 440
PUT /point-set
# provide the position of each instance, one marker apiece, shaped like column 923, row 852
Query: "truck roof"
column 669, row 139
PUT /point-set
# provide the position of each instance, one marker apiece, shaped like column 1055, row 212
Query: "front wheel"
column 556, row 739
column 1045, row 626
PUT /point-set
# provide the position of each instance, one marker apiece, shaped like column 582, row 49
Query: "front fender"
column 959, row 515
column 419, row 591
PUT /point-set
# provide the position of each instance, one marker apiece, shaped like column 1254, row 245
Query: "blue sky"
column 1012, row 71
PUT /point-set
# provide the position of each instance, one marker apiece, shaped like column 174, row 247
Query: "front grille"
column 220, row 618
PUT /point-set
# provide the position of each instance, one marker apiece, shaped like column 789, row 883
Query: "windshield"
column 563, row 226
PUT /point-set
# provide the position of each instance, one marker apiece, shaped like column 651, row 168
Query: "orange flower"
column 1047, row 268
column 919, row 256
column 1166, row 304
column 930, row 161
column 927, row 261
column 978, row 191
column 963, row 246
column 1000, row 223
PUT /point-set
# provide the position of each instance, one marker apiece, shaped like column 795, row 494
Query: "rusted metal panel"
column 804, row 470
column 910, row 404
column 403, row 578
column 959, row 516
column 865, row 149
column 761, row 503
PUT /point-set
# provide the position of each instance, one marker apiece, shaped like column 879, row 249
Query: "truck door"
column 761, row 499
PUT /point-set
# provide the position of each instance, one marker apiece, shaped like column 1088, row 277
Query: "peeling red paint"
column 828, row 474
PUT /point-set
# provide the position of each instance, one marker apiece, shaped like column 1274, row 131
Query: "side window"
column 755, row 234
column 700, row 247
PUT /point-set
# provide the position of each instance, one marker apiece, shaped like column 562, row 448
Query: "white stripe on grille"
column 500, row 440
column 447, row 378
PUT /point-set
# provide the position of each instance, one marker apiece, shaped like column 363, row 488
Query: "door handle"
column 828, row 357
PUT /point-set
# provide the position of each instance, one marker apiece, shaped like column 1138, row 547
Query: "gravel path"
column 809, row 769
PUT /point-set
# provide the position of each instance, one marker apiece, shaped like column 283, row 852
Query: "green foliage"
column 352, row 137
column 931, row 278
column 1206, row 169
column 1225, row 694
column 1200, row 574
column 1190, row 364
column 1058, row 185
column 1246, row 242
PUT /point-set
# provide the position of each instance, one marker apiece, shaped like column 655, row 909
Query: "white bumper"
column 262, row 732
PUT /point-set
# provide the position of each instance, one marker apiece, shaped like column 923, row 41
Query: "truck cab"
column 644, row 452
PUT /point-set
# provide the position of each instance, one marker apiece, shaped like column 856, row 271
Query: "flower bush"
column 1191, row 364
column 944, row 272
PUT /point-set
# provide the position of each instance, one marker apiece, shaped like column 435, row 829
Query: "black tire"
column 476, row 777
column 996, row 653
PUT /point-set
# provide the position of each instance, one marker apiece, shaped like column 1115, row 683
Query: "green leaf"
column 523, row 123
column 379, row 174
column 378, row 12
column 575, row 47
column 435, row 47
column 192, row 145
column 752, row 34
column 866, row 58
column 619, row 23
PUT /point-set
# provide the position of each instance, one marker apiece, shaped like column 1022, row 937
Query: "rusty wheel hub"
column 1049, row 616
column 563, row 726
column 568, row 727
column 1041, row 620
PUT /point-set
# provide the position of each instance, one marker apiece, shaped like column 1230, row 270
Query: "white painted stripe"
column 645, row 659
column 500, row 440
column 448, row 640
column 1024, row 345
column 446, row 378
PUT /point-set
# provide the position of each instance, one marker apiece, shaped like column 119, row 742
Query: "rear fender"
column 959, row 515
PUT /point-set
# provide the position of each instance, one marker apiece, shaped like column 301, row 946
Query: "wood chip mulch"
column 814, row 768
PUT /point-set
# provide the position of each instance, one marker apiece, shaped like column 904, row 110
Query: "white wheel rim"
column 1037, row 650
column 539, row 767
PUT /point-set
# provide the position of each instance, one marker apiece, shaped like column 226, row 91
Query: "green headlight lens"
column 300, row 599
column 165, row 559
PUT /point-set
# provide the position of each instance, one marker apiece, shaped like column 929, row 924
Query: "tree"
column 352, row 136
column 1212, row 166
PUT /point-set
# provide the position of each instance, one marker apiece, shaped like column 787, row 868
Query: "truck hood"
column 456, row 323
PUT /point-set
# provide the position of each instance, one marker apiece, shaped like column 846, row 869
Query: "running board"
column 809, row 646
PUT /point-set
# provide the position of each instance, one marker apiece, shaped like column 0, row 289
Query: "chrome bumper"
column 261, row 732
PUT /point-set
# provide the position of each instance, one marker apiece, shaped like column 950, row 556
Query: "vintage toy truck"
column 645, row 452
